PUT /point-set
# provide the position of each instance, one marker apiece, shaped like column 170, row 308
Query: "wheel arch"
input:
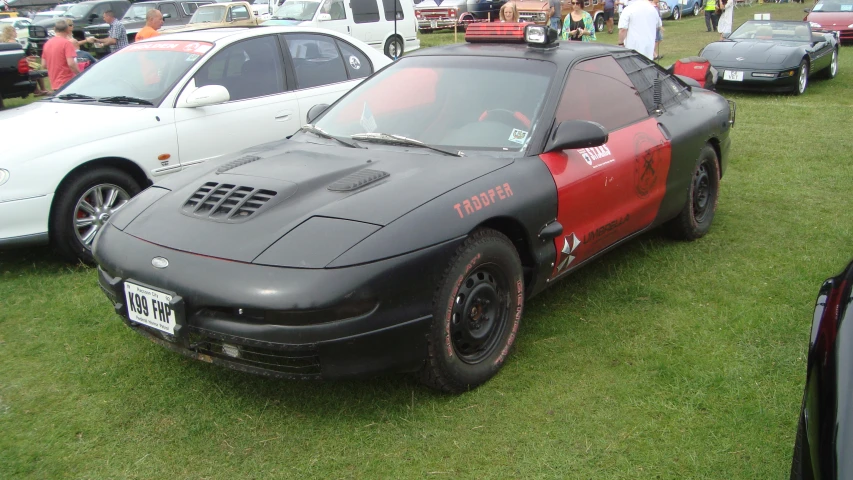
column 714, row 142
column 519, row 236
column 128, row 166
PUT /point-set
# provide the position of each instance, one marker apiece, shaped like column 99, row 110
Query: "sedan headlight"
column 664, row 7
column 4, row 176
column 815, row 25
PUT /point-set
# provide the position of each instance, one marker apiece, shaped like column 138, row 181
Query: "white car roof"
column 214, row 35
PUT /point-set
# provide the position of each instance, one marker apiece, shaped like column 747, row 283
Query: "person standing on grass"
column 117, row 38
column 725, row 24
column 60, row 56
column 556, row 14
column 711, row 15
column 153, row 22
column 609, row 12
column 578, row 25
column 638, row 26
column 659, row 33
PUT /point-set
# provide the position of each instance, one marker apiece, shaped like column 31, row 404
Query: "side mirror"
column 92, row 16
column 573, row 134
column 167, row 15
column 208, row 95
column 316, row 111
column 324, row 17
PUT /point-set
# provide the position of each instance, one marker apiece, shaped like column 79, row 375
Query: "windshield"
column 42, row 16
column 137, row 12
column 791, row 31
column 447, row 102
column 77, row 11
column 297, row 10
column 213, row 14
column 834, row 6
column 145, row 71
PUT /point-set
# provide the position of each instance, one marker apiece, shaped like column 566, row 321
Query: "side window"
column 316, row 60
column 335, row 9
column 643, row 74
column 99, row 10
column 364, row 11
column 389, row 9
column 170, row 9
column 118, row 8
column 358, row 66
column 239, row 12
column 189, row 7
column 248, row 69
column 594, row 84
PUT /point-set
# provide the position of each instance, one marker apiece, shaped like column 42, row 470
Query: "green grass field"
column 662, row 360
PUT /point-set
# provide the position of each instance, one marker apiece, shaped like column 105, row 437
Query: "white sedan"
column 157, row 107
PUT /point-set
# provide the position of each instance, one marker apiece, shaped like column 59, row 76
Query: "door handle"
column 283, row 115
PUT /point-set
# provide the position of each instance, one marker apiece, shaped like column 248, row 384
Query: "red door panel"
column 609, row 192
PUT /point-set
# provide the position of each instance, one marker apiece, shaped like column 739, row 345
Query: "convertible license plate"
column 150, row 307
column 733, row 75
column 433, row 23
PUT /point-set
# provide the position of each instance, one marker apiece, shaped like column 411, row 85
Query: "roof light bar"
column 531, row 34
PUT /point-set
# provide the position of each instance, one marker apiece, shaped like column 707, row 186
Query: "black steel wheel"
column 695, row 219
column 476, row 313
column 83, row 205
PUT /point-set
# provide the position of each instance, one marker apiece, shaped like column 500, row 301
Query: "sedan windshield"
column 141, row 72
column 453, row 103
column 296, row 10
column 769, row 30
column 209, row 14
column 137, row 12
column 834, row 6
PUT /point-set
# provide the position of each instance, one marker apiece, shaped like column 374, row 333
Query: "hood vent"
column 357, row 180
column 226, row 202
column 236, row 163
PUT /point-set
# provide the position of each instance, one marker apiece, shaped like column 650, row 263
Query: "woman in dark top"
column 578, row 24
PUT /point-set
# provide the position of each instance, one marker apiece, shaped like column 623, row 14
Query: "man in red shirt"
column 59, row 56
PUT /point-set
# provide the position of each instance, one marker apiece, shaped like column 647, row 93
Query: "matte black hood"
column 753, row 53
column 296, row 181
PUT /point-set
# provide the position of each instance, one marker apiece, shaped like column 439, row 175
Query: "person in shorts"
column 609, row 11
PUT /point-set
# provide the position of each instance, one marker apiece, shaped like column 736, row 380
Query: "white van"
column 371, row 21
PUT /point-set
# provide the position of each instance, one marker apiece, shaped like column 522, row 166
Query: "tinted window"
column 643, row 73
column 248, row 69
column 170, row 9
column 599, row 90
column 364, row 11
column 389, row 9
column 239, row 12
column 335, row 9
column 316, row 60
column 358, row 66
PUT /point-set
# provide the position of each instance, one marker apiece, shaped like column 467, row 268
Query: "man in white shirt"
column 638, row 26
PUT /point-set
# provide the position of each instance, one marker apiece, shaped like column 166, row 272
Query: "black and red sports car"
column 405, row 227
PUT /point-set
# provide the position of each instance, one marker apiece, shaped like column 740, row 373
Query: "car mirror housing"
column 208, row 95
column 572, row 134
column 324, row 17
column 167, row 15
column 316, row 111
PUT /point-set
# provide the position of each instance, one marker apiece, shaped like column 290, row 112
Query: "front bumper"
column 24, row 222
column 756, row 84
column 438, row 23
column 217, row 302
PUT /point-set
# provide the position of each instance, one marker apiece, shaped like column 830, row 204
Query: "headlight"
column 4, row 175
column 51, row 33
column 815, row 25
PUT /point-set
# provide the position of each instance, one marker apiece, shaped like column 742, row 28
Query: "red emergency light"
column 494, row 32
column 531, row 34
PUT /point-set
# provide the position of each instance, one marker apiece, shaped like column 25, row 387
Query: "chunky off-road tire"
column 695, row 219
column 82, row 207
column 394, row 47
column 476, row 312
column 802, row 78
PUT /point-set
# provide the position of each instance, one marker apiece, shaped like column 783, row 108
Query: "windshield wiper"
column 324, row 134
column 73, row 96
column 121, row 99
column 390, row 139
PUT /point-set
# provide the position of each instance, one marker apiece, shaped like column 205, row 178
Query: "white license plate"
column 433, row 23
column 149, row 307
column 733, row 75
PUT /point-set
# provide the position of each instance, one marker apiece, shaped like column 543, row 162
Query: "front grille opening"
column 305, row 362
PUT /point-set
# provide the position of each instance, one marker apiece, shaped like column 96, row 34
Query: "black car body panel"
column 825, row 433
column 13, row 83
column 766, row 62
column 342, row 257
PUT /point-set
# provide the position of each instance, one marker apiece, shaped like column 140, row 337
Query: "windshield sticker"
column 518, row 136
column 367, row 120
column 176, row 46
column 354, row 63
